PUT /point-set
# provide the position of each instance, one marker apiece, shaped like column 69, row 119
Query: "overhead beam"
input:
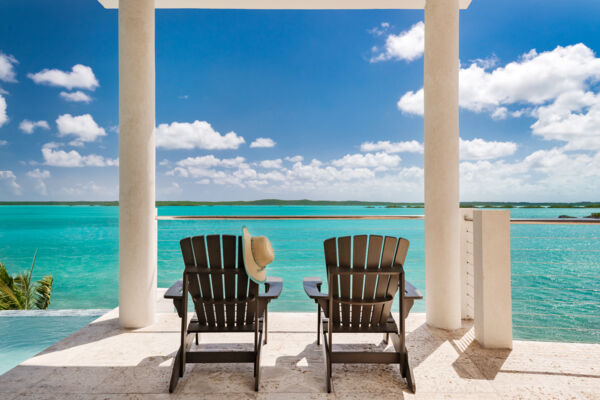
column 291, row 4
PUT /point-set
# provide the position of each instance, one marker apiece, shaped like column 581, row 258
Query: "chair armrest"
column 312, row 287
column 175, row 292
column 411, row 292
column 273, row 286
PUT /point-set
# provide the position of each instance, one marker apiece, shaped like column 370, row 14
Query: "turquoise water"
column 556, row 268
column 24, row 334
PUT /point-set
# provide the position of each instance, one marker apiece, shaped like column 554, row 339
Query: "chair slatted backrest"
column 222, row 294
column 363, row 274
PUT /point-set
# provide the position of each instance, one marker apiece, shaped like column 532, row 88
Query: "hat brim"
column 258, row 273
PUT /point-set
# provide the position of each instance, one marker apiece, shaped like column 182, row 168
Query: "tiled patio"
column 101, row 361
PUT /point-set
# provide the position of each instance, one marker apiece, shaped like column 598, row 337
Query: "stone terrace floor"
column 102, row 361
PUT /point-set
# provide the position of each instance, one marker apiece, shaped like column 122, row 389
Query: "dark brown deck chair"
column 224, row 299
column 363, row 275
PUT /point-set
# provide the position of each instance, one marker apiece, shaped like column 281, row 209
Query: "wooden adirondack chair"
column 238, row 308
column 376, row 264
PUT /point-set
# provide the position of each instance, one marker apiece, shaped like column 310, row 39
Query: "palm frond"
column 43, row 291
column 22, row 289
column 4, row 276
column 8, row 298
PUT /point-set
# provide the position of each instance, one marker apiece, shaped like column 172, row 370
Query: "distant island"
column 304, row 202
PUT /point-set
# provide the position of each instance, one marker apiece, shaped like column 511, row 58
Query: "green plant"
column 19, row 293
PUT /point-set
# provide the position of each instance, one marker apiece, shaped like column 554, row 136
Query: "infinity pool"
column 23, row 334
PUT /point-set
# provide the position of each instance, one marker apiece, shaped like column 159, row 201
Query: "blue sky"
column 336, row 92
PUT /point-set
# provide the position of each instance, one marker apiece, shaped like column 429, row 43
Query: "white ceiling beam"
column 290, row 4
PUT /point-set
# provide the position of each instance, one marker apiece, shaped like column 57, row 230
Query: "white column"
column 442, row 229
column 137, row 159
column 491, row 256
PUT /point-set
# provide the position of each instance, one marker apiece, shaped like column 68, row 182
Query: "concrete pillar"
column 491, row 256
column 442, row 228
column 137, row 160
column 466, row 263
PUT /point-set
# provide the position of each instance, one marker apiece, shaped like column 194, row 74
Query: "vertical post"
column 442, row 229
column 491, row 255
column 137, row 210
column 466, row 263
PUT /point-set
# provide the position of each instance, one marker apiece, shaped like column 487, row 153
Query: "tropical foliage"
column 19, row 293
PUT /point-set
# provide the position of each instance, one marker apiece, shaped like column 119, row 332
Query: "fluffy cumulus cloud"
column 3, row 115
column 408, row 45
column 80, row 76
column 476, row 149
column 294, row 159
column 82, row 127
column 7, row 68
column 379, row 161
column 479, row 149
column 9, row 179
column 40, row 176
column 411, row 146
column 55, row 157
column 28, row 126
column 197, row 134
column 262, row 142
column 558, row 88
column 272, row 164
column 294, row 176
column 77, row 96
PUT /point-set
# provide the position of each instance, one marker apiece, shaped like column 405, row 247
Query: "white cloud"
column 380, row 29
column 198, row 134
column 557, row 88
column 83, row 127
column 211, row 161
column 61, row 158
column 3, row 115
column 380, row 161
column 412, row 102
column 294, row 159
column 479, row 149
column 3, row 143
column 40, row 176
column 271, row 164
column 11, row 180
column 28, row 126
column 535, row 79
column 500, row 113
column 411, row 146
column 262, row 142
column 80, row 76
column 408, row 45
column 7, row 64
column 476, row 149
column 574, row 118
column 77, row 96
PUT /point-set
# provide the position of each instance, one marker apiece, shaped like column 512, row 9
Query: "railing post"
column 491, row 256
column 466, row 263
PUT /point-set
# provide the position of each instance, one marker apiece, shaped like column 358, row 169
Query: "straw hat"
column 258, row 253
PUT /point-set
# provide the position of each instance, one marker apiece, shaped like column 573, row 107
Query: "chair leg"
column 386, row 338
column 175, row 374
column 327, row 362
column 197, row 342
column 257, row 364
column 318, row 324
column 408, row 374
column 265, row 323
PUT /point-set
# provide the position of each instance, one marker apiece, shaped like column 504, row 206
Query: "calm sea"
column 556, row 268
